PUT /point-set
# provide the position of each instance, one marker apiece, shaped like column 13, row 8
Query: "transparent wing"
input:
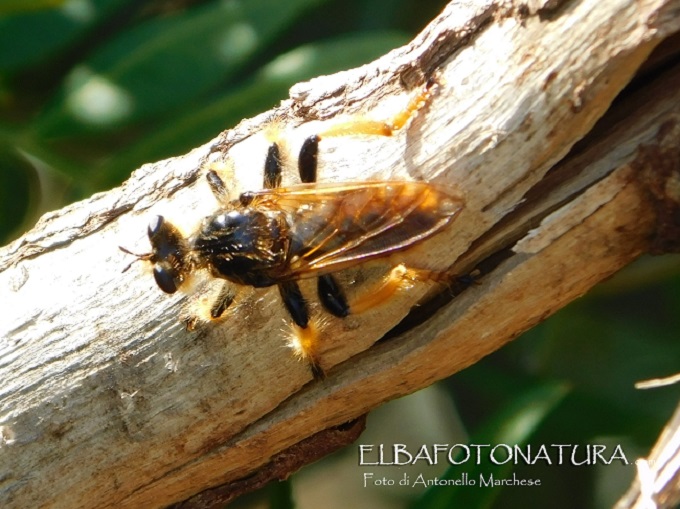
column 335, row 226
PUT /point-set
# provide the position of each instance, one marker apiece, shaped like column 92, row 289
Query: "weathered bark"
column 657, row 483
column 110, row 402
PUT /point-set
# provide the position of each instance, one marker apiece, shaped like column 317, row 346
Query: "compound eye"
column 155, row 226
column 164, row 279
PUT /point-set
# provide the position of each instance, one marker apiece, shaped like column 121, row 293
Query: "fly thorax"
column 244, row 245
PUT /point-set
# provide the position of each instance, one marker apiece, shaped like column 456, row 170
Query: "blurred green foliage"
column 92, row 89
column 580, row 367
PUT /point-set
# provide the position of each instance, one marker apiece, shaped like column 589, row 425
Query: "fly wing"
column 335, row 226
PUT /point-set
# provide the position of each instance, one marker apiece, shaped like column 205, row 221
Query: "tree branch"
column 109, row 401
column 657, row 483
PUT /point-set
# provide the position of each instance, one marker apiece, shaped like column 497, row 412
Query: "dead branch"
column 107, row 399
column 657, row 483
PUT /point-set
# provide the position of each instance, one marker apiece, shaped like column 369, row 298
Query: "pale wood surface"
column 107, row 399
column 657, row 483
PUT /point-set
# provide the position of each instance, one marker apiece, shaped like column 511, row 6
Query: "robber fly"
column 280, row 235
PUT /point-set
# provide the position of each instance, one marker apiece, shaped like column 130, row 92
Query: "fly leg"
column 226, row 295
column 307, row 158
column 207, row 308
column 330, row 293
column 224, row 299
column 217, row 186
column 364, row 126
column 305, row 337
column 305, row 332
column 402, row 278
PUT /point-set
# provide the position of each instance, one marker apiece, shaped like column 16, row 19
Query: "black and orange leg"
column 305, row 338
column 217, row 186
column 272, row 167
column 271, row 178
column 307, row 159
column 308, row 156
column 330, row 294
column 399, row 278
column 224, row 299
column 305, row 332
column 368, row 127
column 209, row 308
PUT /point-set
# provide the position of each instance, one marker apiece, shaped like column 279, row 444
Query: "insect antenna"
column 138, row 257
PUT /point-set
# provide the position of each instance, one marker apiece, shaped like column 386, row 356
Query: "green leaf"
column 633, row 342
column 281, row 495
column 15, row 191
column 38, row 29
column 516, row 423
column 161, row 65
column 269, row 86
column 19, row 6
